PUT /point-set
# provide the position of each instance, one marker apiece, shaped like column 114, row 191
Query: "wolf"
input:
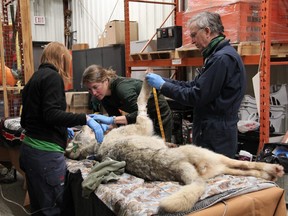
column 82, row 145
column 148, row 157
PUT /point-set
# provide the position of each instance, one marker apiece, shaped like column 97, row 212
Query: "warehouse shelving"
column 22, row 18
column 160, row 62
column 262, row 59
column 12, row 94
column 265, row 66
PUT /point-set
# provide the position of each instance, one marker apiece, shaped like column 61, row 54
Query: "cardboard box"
column 101, row 42
column 79, row 109
column 114, row 33
column 241, row 19
column 78, row 102
column 77, row 99
column 80, row 46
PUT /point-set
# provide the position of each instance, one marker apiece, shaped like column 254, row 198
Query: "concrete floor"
column 15, row 193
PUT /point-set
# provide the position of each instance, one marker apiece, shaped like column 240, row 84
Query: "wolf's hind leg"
column 188, row 195
column 185, row 198
column 258, row 169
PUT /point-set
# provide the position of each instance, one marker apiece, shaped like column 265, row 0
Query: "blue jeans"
column 45, row 174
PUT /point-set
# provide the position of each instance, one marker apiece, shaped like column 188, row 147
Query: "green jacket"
column 124, row 94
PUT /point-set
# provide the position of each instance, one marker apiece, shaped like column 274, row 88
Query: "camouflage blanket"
column 131, row 195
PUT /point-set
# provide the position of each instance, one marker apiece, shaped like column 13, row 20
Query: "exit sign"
column 39, row 20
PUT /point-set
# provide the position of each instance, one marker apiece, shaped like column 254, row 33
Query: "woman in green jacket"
column 118, row 94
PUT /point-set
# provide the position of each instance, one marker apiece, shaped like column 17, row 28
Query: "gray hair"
column 208, row 19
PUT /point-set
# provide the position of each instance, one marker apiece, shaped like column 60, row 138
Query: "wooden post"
column 4, row 86
column 27, row 39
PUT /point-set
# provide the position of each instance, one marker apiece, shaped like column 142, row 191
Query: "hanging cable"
column 113, row 10
column 90, row 16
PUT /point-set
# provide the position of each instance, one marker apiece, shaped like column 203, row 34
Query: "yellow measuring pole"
column 158, row 114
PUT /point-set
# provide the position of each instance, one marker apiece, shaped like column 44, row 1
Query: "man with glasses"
column 216, row 92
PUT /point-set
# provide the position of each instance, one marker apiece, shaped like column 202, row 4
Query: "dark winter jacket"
column 44, row 104
column 216, row 94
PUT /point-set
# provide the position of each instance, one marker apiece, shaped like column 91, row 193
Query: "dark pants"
column 219, row 136
column 45, row 174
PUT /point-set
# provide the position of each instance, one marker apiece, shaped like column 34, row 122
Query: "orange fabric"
column 69, row 84
column 267, row 202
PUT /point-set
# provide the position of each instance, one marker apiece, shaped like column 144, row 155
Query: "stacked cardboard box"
column 114, row 33
column 80, row 46
column 241, row 19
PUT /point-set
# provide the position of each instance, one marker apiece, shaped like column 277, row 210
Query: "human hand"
column 96, row 127
column 70, row 133
column 154, row 80
column 102, row 118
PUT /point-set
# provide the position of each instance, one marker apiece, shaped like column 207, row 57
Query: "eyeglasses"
column 194, row 34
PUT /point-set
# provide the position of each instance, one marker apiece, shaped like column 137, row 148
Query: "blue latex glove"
column 154, row 80
column 96, row 127
column 70, row 133
column 104, row 127
column 103, row 119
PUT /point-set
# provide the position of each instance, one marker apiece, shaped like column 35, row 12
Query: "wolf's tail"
column 185, row 198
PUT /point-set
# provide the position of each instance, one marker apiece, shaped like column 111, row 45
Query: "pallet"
column 169, row 54
column 277, row 50
column 188, row 53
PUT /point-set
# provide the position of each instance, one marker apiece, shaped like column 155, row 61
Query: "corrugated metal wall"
column 52, row 10
column 90, row 16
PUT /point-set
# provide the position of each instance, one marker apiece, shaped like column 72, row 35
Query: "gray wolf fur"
column 82, row 145
column 147, row 157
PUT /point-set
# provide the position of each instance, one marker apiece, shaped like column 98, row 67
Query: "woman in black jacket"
column 45, row 122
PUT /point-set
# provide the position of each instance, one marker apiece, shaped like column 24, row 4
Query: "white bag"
column 247, row 125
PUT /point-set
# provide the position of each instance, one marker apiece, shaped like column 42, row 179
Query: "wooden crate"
column 135, row 56
column 277, row 50
column 170, row 54
column 188, row 52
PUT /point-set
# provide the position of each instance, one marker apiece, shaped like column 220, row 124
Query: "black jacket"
column 216, row 94
column 44, row 104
